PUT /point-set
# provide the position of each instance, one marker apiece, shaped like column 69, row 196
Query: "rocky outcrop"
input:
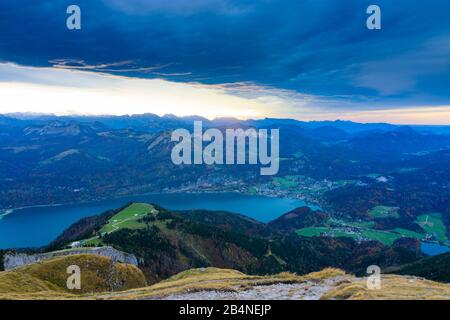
column 12, row 261
column 280, row 291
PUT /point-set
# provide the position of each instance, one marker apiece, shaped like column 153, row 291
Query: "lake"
column 434, row 249
column 38, row 226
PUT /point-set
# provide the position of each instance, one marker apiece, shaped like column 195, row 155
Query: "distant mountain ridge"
column 149, row 120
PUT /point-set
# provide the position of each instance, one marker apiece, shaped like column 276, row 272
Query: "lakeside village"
column 312, row 192
column 297, row 187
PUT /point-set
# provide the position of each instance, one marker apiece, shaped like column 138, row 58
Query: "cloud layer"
column 306, row 48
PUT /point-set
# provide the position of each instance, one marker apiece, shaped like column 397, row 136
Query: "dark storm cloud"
column 319, row 47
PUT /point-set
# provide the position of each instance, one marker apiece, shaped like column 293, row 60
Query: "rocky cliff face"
column 12, row 261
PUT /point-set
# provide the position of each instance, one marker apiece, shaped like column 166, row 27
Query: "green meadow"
column 384, row 212
column 286, row 182
column 129, row 218
column 385, row 237
column 432, row 223
column 359, row 230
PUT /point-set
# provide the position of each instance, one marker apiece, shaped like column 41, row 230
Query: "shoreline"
column 104, row 199
column 220, row 200
column 7, row 211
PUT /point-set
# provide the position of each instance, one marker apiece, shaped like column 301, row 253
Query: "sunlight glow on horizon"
column 42, row 99
column 68, row 92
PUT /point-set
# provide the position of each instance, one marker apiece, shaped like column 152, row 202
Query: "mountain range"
column 382, row 190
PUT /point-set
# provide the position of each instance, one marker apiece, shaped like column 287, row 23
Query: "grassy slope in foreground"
column 345, row 287
column 393, row 287
column 231, row 281
column 48, row 279
column 215, row 279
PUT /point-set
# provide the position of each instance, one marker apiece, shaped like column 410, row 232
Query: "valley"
column 347, row 195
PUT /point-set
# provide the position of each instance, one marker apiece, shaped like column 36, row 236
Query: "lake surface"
column 434, row 249
column 38, row 226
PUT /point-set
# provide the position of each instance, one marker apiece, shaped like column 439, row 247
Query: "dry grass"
column 214, row 279
column 392, row 288
column 48, row 279
column 40, row 282
column 324, row 274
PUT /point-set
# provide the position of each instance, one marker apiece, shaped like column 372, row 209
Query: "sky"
column 302, row 59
